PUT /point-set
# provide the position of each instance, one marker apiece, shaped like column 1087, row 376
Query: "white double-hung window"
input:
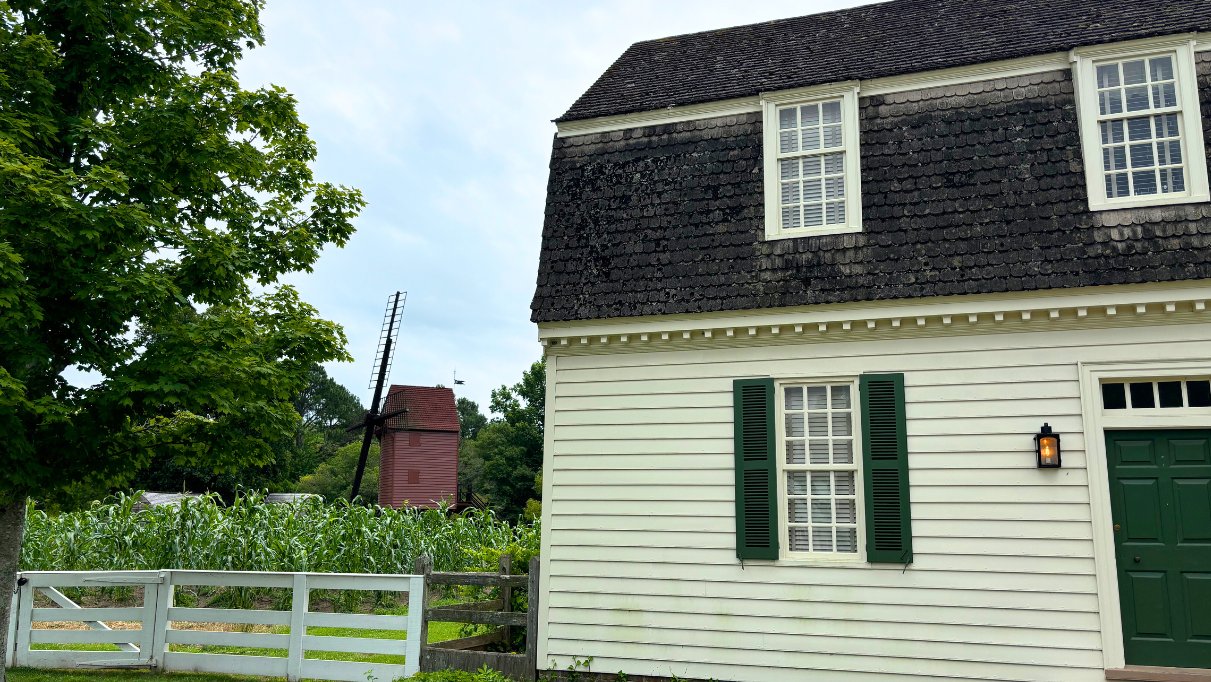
column 819, row 464
column 1141, row 128
column 811, row 163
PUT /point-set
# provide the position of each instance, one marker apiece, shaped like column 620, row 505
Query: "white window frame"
column 1084, row 66
column 829, row 558
column 847, row 93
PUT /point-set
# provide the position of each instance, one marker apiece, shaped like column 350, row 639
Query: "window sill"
column 822, row 563
column 1150, row 202
column 810, row 232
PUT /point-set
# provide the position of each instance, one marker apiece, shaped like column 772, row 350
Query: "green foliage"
column 248, row 535
column 150, row 206
column 334, row 478
column 502, row 462
column 470, row 419
column 484, row 674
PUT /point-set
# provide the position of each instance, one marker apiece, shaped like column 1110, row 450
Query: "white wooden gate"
column 150, row 646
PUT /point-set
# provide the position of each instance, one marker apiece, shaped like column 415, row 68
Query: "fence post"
column 415, row 643
column 532, row 597
column 10, row 644
column 506, row 598
column 165, row 593
column 25, row 614
column 423, row 567
column 298, row 611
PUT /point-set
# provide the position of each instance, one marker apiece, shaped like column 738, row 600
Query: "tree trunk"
column 12, row 525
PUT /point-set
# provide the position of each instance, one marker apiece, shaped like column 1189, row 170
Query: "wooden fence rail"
column 467, row 653
column 151, row 645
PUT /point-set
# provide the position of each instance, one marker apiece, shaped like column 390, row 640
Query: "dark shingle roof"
column 429, row 408
column 872, row 41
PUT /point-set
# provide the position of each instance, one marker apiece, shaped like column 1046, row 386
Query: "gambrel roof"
column 872, row 41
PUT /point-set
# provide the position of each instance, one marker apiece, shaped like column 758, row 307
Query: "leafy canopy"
column 150, row 205
column 503, row 461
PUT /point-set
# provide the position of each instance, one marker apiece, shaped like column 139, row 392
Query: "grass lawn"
column 26, row 675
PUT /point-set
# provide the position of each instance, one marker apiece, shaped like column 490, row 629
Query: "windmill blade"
column 383, row 359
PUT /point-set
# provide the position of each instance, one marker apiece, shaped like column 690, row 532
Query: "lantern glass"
column 1047, row 448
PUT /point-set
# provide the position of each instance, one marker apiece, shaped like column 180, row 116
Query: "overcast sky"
column 440, row 112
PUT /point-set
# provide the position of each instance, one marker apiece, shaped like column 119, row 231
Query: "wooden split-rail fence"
column 469, row 653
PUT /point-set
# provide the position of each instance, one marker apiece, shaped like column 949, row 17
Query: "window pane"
column 1139, row 129
column 795, row 452
column 1107, row 76
column 812, row 192
column 822, row 511
column 1166, row 125
column 1173, row 180
column 845, row 482
column 790, row 193
column 810, row 114
column 788, row 141
column 834, row 163
column 799, row 539
column 1112, row 132
column 793, row 396
column 834, row 188
column 818, row 451
column 1162, row 68
column 822, row 539
column 1198, row 393
column 790, row 217
column 813, row 216
column 1144, row 182
column 820, row 483
column 834, row 213
column 847, row 511
column 841, row 424
column 847, row 540
column 832, row 136
column 817, row 398
column 1164, row 95
column 1141, row 395
column 1170, row 393
column 840, row 397
column 1137, row 98
column 796, row 511
column 1169, row 153
column 796, row 482
column 817, row 424
column 811, row 167
column 811, row 139
column 843, row 452
column 1133, row 72
column 1117, row 185
column 1110, row 102
column 1114, row 158
column 789, row 169
column 794, row 425
column 787, row 119
column 1142, row 156
column 1114, row 397
column 832, row 112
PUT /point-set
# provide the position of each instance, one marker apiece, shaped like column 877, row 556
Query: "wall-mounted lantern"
column 1047, row 448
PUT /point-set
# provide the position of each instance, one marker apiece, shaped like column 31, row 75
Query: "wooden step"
column 1148, row 673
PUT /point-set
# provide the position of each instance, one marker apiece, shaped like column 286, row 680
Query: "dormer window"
column 811, row 163
column 1140, row 126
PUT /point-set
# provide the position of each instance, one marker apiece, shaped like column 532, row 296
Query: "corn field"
column 205, row 534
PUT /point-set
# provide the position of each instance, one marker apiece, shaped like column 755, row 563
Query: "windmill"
column 380, row 370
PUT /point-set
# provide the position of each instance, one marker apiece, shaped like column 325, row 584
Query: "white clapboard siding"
column 642, row 569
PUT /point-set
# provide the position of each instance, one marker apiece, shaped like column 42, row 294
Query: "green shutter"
column 885, row 475
column 756, row 486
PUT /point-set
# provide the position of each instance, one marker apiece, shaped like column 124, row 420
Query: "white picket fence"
column 149, row 646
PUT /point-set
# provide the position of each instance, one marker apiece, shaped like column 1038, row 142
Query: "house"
column 812, row 294
column 419, row 465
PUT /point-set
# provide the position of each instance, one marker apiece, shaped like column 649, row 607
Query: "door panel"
column 1160, row 492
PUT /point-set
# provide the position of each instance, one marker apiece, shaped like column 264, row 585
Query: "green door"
column 1160, row 493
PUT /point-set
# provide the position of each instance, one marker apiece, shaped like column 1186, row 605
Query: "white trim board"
column 1007, row 68
column 1091, row 376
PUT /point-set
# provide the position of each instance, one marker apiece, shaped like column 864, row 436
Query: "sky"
column 440, row 112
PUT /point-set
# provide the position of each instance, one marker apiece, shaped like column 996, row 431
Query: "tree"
column 150, row 207
column 470, row 419
column 503, row 460
column 334, row 478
